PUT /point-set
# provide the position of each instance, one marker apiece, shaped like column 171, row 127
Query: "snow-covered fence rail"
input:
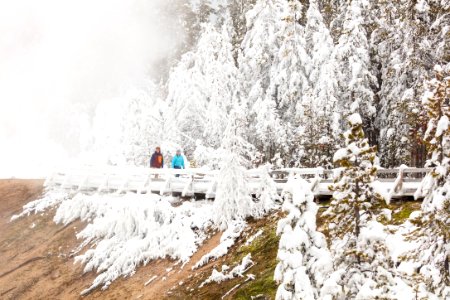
column 397, row 182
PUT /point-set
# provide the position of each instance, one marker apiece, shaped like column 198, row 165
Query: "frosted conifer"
column 433, row 232
column 358, row 244
column 304, row 259
column 233, row 200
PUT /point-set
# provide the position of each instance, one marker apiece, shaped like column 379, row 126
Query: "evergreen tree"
column 289, row 86
column 268, row 128
column 353, row 66
column 258, row 50
column 219, row 80
column 187, row 104
column 304, row 259
column 358, row 245
column 238, row 10
column 320, row 114
column 433, row 231
column 291, row 64
column 201, row 89
column 409, row 40
column 401, row 75
column 142, row 125
column 233, row 200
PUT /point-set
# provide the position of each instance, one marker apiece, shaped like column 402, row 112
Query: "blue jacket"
column 178, row 162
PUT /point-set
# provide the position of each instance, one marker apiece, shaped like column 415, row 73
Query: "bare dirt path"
column 15, row 193
column 36, row 261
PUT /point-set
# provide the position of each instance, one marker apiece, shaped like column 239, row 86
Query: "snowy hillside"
column 353, row 87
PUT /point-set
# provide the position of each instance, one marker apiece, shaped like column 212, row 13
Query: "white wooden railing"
column 398, row 182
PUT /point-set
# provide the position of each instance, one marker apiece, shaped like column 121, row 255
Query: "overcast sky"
column 58, row 60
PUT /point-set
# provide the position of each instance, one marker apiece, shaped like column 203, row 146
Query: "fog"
column 58, row 60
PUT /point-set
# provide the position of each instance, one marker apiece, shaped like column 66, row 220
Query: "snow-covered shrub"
column 433, row 231
column 304, row 259
column 133, row 229
column 237, row 271
column 49, row 200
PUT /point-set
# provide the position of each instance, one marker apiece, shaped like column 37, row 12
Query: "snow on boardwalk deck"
column 200, row 181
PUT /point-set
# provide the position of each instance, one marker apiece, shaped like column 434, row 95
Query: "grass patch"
column 402, row 210
column 264, row 251
column 264, row 287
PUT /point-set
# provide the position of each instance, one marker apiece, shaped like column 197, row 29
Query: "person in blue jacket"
column 178, row 161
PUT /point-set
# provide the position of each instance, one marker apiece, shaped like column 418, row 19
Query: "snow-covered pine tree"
column 289, row 77
column 187, row 102
column 291, row 64
column 258, row 50
column 352, row 187
column 304, row 259
column 353, row 66
column 308, row 153
column 433, row 225
column 233, row 200
column 201, row 89
column 220, row 79
column 268, row 131
column 358, row 244
column 410, row 38
column 142, row 124
column 267, row 194
column 402, row 56
column 321, row 114
column 238, row 10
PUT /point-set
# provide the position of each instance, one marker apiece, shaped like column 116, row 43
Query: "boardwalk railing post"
column 83, row 182
column 211, row 192
column 315, row 181
column 104, row 184
column 398, row 186
column 165, row 188
column 188, row 188
column 123, row 186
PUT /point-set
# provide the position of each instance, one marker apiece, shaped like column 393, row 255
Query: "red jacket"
column 157, row 160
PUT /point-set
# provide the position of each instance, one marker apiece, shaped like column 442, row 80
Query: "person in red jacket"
column 157, row 160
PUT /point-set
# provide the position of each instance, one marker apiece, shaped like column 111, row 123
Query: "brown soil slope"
column 36, row 260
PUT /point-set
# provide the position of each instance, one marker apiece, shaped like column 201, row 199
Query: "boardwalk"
column 201, row 182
